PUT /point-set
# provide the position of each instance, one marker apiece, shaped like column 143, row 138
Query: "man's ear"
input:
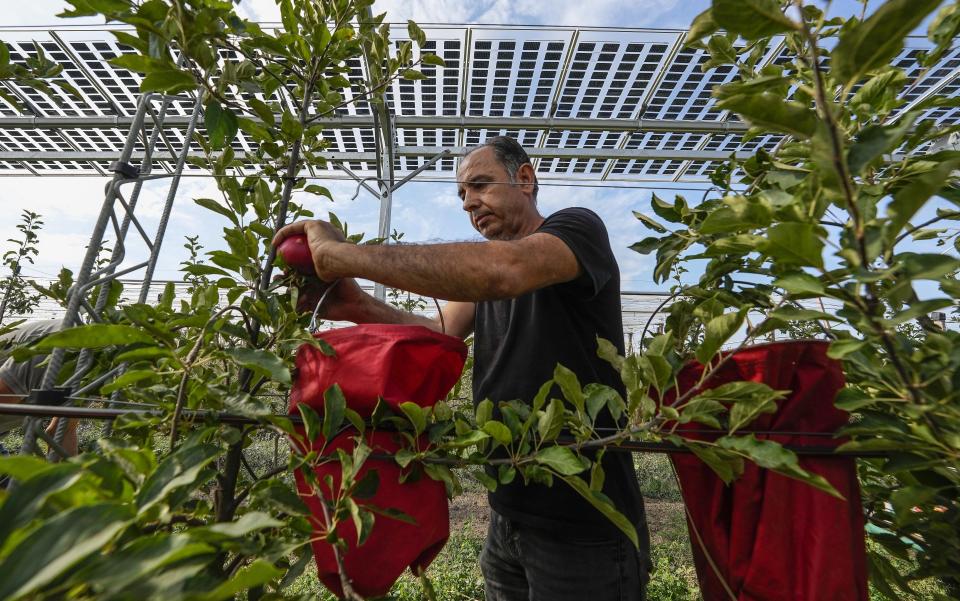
column 526, row 177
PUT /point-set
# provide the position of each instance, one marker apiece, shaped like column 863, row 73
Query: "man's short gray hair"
column 511, row 155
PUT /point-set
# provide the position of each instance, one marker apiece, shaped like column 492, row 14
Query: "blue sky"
column 424, row 211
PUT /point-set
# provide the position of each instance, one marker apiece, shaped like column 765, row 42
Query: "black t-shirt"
column 517, row 346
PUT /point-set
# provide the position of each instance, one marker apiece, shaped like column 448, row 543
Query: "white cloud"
column 597, row 13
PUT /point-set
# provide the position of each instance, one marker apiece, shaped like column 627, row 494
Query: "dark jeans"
column 527, row 564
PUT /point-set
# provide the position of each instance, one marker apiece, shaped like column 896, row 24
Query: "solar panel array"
column 593, row 94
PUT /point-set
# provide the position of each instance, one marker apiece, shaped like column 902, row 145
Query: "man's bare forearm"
column 461, row 271
column 376, row 311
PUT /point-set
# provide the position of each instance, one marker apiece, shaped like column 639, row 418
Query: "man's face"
column 496, row 207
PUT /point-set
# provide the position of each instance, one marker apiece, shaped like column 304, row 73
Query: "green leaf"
column 58, row 544
column 482, row 477
column 393, row 514
column 290, row 126
column 908, row 199
column 23, row 467
column 748, row 409
column 181, row 468
column 770, row 111
column 116, row 573
column 22, row 502
column 92, row 336
column 702, row 26
column 701, row 411
column 263, row 111
column 412, row 74
column 256, row 574
column 646, row 246
column 334, row 410
column 318, row 190
column 362, row 521
column 920, row 308
column 242, row 527
column 128, row 378
column 605, row 506
column 221, row 124
column 739, row 213
column 771, row 455
column 875, row 140
column 416, row 415
column 843, row 347
column 170, row 81
column 498, row 431
column 416, row 34
column 550, row 423
column 141, row 63
column 367, row 486
column 432, row 59
column 484, row 411
column 609, row 353
column 650, row 223
column 569, row 385
column 926, row 266
column 147, row 353
column 468, row 440
column 254, row 129
column 751, row 19
column 875, row 42
column 216, row 207
column 600, row 396
column 561, row 460
column 289, row 18
column 719, row 330
column 261, row 362
column 727, row 466
column 795, row 243
column 403, row 457
column 851, row 399
column 799, row 283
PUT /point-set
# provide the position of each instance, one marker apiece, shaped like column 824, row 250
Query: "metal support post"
column 161, row 231
column 147, row 127
column 86, row 268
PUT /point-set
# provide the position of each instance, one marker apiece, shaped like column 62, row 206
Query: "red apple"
column 296, row 252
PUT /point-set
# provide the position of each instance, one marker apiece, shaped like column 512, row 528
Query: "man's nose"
column 470, row 201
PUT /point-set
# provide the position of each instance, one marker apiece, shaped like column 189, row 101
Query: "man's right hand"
column 346, row 302
column 322, row 239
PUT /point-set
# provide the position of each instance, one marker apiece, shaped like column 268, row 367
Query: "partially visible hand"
column 346, row 301
column 322, row 238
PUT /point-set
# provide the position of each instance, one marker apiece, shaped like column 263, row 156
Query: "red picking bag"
column 772, row 537
column 398, row 364
column 393, row 545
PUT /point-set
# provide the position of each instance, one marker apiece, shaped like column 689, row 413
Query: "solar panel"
column 589, row 104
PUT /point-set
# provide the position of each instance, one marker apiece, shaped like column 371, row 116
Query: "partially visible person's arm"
column 8, row 395
column 348, row 302
column 460, row 271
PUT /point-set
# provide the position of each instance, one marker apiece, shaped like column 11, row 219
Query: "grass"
column 455, row 574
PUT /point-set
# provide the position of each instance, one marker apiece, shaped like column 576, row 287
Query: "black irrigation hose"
column 240, row 420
